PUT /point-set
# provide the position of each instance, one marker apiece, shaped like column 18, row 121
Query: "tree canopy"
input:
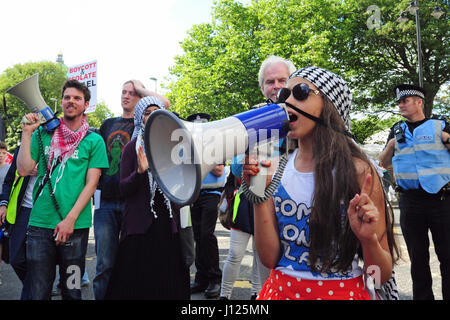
column 217, row 73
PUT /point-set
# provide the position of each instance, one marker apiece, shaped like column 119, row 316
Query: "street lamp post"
column 56, row 101
column 156, row 81
column 414, row 9
column 419, row 46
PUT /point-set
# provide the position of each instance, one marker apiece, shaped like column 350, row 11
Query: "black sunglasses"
column 300, row 92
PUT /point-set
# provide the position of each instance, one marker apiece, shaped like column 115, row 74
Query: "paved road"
column 11, row 286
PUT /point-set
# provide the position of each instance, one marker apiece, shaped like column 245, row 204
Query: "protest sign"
column 87, row 74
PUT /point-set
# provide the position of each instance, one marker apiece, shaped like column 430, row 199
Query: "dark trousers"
column 43, row 255
column 204, row 218
column 419, row 213
column 17, row 250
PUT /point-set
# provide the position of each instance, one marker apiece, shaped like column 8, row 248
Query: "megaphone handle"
column 258, row 182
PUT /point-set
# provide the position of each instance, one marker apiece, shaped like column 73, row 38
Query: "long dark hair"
column 332, row 242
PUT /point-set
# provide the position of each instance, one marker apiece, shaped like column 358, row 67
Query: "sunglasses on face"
column 300, row 92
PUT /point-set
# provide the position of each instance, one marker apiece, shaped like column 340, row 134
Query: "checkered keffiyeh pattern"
column 139, row 110
column 331, row 85
column 138, row 133
column 65, row 141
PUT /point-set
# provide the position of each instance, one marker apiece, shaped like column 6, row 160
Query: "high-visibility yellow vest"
column 11, row 211
column 237, row 200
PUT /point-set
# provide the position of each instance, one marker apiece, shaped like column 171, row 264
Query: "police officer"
column 418, row 149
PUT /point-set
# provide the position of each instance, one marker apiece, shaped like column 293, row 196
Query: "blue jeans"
column 107, row 222
column 43, row 255
column 17, row 249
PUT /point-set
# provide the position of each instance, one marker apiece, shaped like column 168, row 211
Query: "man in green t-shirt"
column 70, row 161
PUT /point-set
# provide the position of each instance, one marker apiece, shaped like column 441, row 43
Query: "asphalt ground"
column 11, row 286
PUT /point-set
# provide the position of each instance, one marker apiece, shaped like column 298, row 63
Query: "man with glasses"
column 418, row 149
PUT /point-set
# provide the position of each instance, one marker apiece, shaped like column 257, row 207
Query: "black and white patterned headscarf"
column 139, row 110
column 332, row 86
column 138, row 133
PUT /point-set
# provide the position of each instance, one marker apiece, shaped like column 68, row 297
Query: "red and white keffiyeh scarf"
column 65, row 141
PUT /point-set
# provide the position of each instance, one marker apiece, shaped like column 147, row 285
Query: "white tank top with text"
column 293, row 202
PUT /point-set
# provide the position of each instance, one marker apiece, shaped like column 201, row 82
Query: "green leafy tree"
column 376, row 58
column 51, row 79
column 368, row 126
column 101, row 113
column 217, row 73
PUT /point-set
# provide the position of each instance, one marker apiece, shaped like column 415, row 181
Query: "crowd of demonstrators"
column 418, row 149
column 325, row 225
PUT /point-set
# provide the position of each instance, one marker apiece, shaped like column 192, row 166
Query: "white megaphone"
column 180, row 154
column 28, row 91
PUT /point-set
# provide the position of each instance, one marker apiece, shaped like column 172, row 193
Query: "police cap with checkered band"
column 408, row 90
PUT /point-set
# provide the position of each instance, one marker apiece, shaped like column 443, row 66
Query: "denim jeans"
column 17, row 250
column 107, row 222
column 418, row 215
column 43, row 255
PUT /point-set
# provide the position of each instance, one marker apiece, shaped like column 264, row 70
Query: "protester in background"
column 204, row 217
column 241, row 231
column 3, row 170
column 16, row 199
column 149, row 263
column 4, row 166
column 273, row 75
column 418, row 149
column 116, row 133
column 329, row 209
column 70, row 158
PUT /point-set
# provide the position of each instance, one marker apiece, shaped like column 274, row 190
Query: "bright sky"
column 130, row 39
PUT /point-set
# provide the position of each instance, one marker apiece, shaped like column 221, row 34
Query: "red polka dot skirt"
column 280, row 286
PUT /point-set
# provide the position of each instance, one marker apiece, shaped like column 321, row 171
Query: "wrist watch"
column 447, row 141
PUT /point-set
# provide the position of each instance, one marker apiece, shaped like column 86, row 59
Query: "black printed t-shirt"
column 117, row 133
